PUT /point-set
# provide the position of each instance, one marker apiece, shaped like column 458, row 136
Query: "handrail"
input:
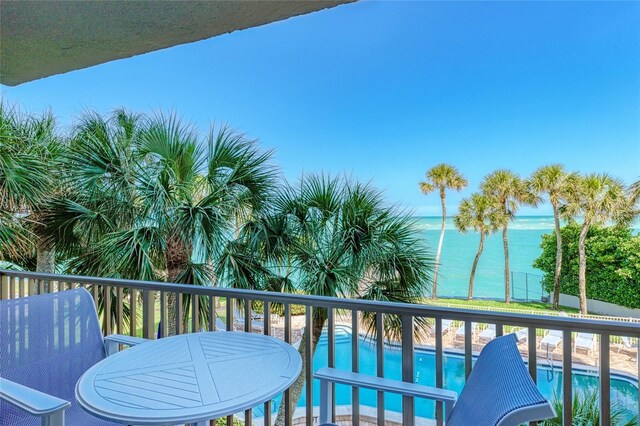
column 505, row 318
column 150, row 298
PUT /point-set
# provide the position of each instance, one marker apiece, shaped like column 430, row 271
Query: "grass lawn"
column 539, row 307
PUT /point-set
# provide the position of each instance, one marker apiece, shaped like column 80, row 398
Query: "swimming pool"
column 623, row 390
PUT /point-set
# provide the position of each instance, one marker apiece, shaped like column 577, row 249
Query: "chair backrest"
column 586, row 336
column 220, row 325
column 555, row 333
column 47, row 342
column 238, row 314
column 499, row 386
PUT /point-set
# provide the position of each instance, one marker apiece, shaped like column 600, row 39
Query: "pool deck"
column 368, row 417
column 624, row 362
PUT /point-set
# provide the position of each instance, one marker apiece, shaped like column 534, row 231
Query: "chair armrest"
column 332, row 375
column 385, row 385
column 113, row 341
column 30, row 400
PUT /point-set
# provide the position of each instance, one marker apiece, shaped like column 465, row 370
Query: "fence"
column 112, row 295
column 528, row 287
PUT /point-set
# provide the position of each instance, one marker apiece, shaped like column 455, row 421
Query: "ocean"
column 458, row 251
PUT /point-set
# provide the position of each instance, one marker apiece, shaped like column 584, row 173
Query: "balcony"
column 443, row 358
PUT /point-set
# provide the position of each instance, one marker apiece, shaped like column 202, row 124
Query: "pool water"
column 624, row 391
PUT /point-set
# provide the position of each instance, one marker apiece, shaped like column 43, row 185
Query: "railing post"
column 605, row 382
column 380, row 363
column 468, row 348
column 4, row 287
column 148, row 314
column 195, row 313
column 567, row 370
column 308, row 370
column 133, row 311
column 532, row 349
column 331, row 362
column 408, row 415
column 355, row 367
column 106, row 310
column 439, row 370
column 286, row 396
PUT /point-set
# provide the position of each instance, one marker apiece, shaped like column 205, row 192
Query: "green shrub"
column 277, row 308
column 613, row 263
column 586, row 411
column 223, row 422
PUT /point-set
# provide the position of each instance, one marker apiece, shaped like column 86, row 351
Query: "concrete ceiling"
column 43, row 38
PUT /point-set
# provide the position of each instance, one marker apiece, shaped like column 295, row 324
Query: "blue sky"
column 384, row 90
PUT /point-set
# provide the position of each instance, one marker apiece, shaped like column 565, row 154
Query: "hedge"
column 613, row 263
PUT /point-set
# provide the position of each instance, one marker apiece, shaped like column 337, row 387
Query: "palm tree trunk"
column 295, row 391
column 177, row 259
column 472, row 277
column 45, row 259
column 558, row 271
column 507, row 283
column 582, row 274
column 434, row 290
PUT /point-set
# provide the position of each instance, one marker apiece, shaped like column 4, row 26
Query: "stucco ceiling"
column 43, row 38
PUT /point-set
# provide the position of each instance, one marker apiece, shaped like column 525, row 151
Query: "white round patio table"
column 189, row 378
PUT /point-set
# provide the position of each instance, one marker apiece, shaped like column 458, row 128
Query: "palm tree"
column 28, row 177
column 634, row 197
column 331, row 237
column 442, row 177
column 598, row 198
column 509, row 191
column 148, row 200
column 478, row 213
column 556, row 182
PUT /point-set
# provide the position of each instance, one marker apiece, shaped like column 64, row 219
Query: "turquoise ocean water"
column 459, row 250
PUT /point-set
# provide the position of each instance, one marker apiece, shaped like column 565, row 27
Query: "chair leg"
column 55, row 419
column 326, row 409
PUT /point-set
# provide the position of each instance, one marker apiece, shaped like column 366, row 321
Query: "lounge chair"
column 220, row 325
column 499, row 390
column 521, row 334
column 585, row 342
column 460, row 331
column 628, row 344
column 39, row 369
column 446, row 325
column 553, row 338
column 488, row 334
column 239, row 321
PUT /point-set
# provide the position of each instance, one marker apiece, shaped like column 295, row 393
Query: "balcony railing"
column 148, row 302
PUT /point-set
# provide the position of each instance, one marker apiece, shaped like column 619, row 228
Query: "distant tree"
column 442, row 177
column 510, row 192
column 481, row 214
column 598, row 199
column 554, row 181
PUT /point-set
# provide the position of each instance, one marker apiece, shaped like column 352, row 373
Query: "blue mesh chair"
column 46, row 343
column 499, row 390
